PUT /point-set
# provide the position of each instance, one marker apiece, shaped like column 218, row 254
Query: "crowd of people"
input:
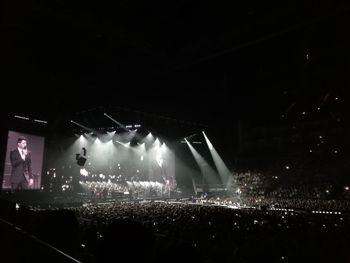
column 277, row 185
column 187, row 230
column 99, row 191
column 261, row 216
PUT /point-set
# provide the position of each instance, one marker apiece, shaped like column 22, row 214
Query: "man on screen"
column 21, row 173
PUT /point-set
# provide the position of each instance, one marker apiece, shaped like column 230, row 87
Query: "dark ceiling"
column 191, row 60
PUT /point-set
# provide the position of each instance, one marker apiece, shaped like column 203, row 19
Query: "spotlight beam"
column 190, row 136
column 219, row 163
column 207, row 172
column 82, row 126
column 117, row 122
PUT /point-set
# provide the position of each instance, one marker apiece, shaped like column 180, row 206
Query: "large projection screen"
column 35, row 146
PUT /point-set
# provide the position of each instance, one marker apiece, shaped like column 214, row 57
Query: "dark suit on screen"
column 21, row 170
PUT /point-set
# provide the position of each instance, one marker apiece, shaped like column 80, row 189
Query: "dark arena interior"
column 181, row 131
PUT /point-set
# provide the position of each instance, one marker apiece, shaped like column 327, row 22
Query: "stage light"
column 21, row 117
column 41, row 121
